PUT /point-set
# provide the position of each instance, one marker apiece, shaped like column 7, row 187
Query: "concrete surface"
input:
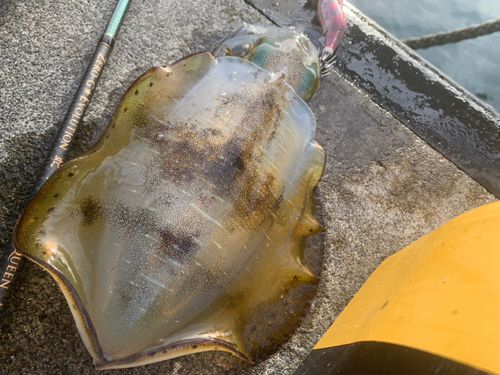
column 383, row 187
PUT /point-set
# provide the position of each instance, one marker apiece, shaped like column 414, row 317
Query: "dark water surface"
column 473, row 63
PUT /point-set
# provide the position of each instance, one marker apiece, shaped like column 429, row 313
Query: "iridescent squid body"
column 183, row 228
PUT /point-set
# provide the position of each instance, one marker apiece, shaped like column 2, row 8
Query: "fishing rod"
column 12, row 260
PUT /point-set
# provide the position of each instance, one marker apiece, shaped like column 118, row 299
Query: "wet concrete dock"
column 383, row 186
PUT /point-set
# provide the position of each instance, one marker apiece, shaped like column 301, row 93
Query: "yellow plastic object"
column 441, row 294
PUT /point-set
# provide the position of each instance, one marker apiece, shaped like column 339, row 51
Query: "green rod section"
column 117, row 18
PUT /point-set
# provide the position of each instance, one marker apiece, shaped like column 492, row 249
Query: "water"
column 473, row 63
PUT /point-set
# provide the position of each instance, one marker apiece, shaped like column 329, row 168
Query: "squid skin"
column 183, row 229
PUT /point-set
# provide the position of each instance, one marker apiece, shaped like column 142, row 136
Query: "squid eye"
column 300, row 67
column 264, row 54
column 240, row 49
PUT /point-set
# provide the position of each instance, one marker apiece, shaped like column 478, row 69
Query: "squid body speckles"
column 183, row 228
